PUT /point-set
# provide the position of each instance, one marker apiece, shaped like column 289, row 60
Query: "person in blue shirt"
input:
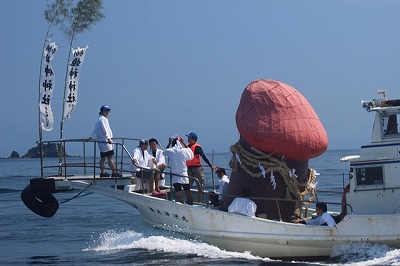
column 323, row 218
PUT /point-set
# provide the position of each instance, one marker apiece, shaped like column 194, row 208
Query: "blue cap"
column 192, row 135
column 105, row 108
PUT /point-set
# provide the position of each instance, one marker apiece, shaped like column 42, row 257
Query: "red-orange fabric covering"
column 274, row 117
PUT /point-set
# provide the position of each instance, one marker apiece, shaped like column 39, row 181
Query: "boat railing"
column 86, row 160
column 86, row 164
column 303, row 203
column 200, row 190
column 204, row 193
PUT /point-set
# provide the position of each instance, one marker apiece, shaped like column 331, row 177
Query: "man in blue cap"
column 102, row 132
column 194, row 166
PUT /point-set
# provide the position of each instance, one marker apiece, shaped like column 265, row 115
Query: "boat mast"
column 39, row 99
column 60, row 153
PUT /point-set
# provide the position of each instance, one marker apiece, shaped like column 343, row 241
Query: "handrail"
column 120, row 152
column 373, row 189
column 142, row 169
column 198, row 185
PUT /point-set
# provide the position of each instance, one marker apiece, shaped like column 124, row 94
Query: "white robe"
column 243, row 206
column 160, row 158
column 177, row 157
column 102, row 132
column 223, row 186
column 142, row 161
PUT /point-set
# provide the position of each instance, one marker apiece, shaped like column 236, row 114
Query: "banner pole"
column 39, row 113
column 62, row 115
column 212, row 171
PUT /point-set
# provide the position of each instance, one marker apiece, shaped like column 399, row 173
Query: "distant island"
column 50, row 150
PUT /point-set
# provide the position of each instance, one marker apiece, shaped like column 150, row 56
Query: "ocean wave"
column 362, row 253
column 8, row 190
column 112, row 241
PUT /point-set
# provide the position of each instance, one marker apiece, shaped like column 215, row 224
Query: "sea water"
column 96, row 230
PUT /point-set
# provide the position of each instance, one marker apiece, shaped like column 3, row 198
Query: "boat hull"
column 261, row 237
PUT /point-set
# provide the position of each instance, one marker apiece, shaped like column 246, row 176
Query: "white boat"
column 370, row 204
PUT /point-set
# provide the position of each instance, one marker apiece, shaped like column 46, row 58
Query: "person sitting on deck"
column 158, row 154
column 140, row 160
column 324, row 218
column 243, row 205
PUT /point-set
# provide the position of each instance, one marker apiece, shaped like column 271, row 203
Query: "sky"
column 172, row 67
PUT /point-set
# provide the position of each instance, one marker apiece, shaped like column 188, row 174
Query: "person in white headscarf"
column 177, row 157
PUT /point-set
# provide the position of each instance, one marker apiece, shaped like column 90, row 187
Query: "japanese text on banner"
column 71, row 89
column 46, row 84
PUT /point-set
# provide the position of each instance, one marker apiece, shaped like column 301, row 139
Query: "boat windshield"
column 366, row 176
column 391, row 125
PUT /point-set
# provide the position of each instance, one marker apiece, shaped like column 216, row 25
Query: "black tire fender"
column 43, row 204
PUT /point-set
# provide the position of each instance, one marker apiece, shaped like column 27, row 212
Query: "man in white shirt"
column 243, row 205
column 159, row 155
column 323, row 218
column 102, row 132
column 177, row 157
column 223, row 185
column 140, row 160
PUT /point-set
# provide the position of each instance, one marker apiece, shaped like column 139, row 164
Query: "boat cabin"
column 374, row 186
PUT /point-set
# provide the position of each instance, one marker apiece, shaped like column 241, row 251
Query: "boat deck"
column 132, row 185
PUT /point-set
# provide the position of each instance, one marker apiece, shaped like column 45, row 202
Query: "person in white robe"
column 243, row 205
column 103, row 134
column 177, row 157
column 140, row 161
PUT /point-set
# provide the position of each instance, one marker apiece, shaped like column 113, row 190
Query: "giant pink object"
column 274, row 117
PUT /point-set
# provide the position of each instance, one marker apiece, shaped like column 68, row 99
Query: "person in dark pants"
column 195, row 168
column 178, row 155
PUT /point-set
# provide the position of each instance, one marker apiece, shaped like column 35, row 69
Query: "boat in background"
column 374, row 186
column 370, row 202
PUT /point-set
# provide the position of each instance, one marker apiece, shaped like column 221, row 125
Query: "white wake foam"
column 354, row 253
column 112, row 241
column 367, row 254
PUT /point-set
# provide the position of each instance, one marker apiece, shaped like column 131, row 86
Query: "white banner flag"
column 71, row 83
column 46, row 83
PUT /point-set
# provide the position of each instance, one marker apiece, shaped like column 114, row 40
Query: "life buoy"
column 44, row 204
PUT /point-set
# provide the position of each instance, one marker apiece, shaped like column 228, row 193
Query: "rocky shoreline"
column 50, row 150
